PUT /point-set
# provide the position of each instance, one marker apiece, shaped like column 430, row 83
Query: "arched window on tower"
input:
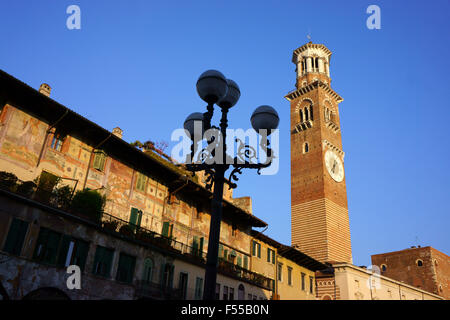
column 305, row 147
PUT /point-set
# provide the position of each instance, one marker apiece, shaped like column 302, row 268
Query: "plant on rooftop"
column 8, row 180
column 89, row 202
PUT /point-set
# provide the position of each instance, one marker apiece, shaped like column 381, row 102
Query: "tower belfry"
column 319, row 211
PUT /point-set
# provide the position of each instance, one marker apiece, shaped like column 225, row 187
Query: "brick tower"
column 319, row 211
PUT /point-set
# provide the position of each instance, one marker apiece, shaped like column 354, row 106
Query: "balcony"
column 121, row 228
column 301, row 126
column 235, row 271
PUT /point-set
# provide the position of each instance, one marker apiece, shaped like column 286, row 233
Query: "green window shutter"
column 171, row 230
column 47, row 246
column 16, row 237
column 165, row 229
column 225, row 254
column 80, row 254
column 63, row 251
column 273, row 256
column 139, row 218
column 161, row 281
column 125, row 269
column 133, row 216
column 239, row 261
column 259, row 250
column 200, row 249
column 198, row 288
column 268, row 254
column 245, row 262
column 254, row 248
column 195, row 245
column 171, row 273
column 103, row 258
column 148, row 270
column 108, row 257
column 96, row 163
column 99, row 160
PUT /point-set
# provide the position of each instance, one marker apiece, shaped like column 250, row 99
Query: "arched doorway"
column 46, row 294
column 241, row 292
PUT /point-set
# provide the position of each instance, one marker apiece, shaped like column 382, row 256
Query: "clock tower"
column 319, row 211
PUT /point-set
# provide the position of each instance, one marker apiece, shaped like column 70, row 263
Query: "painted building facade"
column 166, row 209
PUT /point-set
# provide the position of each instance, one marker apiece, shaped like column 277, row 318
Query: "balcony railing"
column 125, row 229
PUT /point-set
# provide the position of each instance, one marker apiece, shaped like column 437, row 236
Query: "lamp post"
column 214, row 88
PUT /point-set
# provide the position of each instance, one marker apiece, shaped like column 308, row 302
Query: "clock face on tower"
column 334, row 166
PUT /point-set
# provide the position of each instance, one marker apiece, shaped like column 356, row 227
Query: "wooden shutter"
column 139, row 218
column 273, row 256
column 16, row 237
column 80, row 253
column 259, row 250
column 268, row 254
column 200, row 249
column 245, row 262
column 148, row 270
column 195, row 246
column 165, row 229
column 133, row 217
column 62, row 256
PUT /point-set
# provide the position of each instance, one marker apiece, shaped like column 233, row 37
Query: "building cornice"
column 306, row 47
column 337, row 266
column 313, row 85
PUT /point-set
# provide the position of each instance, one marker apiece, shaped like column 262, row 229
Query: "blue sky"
column 134, row 64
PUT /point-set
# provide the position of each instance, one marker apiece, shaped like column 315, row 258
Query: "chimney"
column 45, row 89
column 117, row 132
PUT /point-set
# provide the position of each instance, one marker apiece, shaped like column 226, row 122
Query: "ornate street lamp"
column 214, row 88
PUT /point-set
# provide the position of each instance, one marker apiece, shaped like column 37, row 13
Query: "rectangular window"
column 47, row 246
column 198, row 288
column 303, row 282
column 256, row 249
column 225, row 293
column 16, row 237
column 197, row 246
column 141, row 182
column 125, row 269
column 99, row 160
column 231, row 294
column 217, row 291
column 167, row 275
column 270, row 255
column 167, row 229
column 239, row 261
column 57, row 142
column 245, row 262
column 72, row 252
column 103, row 261
column 135, row 218
column 311, row 284
column 290, row 276
column 183, row 285
column 280, row 269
